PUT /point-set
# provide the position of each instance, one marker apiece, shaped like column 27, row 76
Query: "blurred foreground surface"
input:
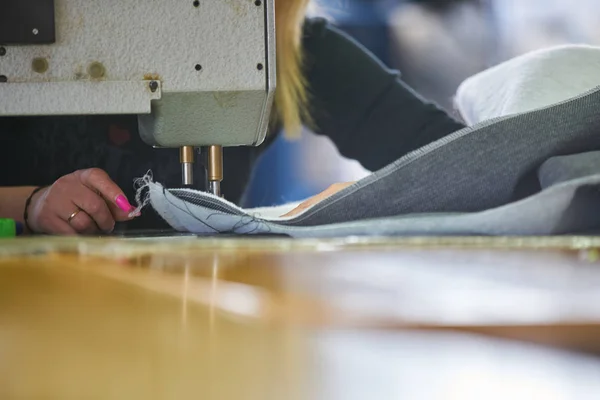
column 174, row 318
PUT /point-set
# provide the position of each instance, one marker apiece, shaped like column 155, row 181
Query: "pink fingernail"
column 123, row 204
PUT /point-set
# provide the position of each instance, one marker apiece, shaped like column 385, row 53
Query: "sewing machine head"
column 197, row 73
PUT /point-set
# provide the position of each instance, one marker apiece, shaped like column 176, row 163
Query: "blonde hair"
column 291, row 98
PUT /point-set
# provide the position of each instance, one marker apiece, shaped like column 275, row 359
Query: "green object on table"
column 9, row 228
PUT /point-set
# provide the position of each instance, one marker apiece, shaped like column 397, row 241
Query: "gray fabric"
column 565, row 168
column 477, row 168
column 536, row 173
column 566, row 208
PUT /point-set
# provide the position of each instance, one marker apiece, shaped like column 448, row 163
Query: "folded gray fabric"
column 531, row 173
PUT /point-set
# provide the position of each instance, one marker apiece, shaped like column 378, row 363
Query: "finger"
column 58, row 226
column 95, row 206
column 83, row 223
column 309, row 203
column 330, row 191
column 83, row 202
column 301, row 207
column 98, row 180
column 305, row 204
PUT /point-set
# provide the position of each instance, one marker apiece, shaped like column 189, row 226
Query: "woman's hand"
column 84, row 202
column 330, row 191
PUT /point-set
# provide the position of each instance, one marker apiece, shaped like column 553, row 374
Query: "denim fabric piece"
column 477, row 168
column 505, row 176
column 536, row 172
column 567, row 208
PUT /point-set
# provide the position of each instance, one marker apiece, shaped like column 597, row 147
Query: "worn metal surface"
column 205, row 54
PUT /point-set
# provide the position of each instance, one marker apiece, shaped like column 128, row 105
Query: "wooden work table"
column 179, row 318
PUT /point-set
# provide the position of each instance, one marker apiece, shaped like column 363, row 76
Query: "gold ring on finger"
column 73, row 215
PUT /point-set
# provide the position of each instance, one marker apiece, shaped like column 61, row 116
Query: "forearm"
column 368, row 112
column 12, row 201
column 398, row 122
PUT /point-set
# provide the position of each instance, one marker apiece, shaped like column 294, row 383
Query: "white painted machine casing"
column 196, row 73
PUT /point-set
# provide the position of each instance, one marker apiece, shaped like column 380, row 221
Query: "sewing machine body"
column 197, row 73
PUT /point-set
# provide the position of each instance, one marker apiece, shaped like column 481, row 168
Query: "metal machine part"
column 214, row 169
column 197, row 73
column 27, row 22
column 186, row 158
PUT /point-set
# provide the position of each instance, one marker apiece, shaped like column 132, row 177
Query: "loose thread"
column 142, row 197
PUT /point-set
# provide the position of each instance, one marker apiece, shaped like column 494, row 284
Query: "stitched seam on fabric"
column 186, row 210
column 432, row 147
column 588, row 180
column 201, row 200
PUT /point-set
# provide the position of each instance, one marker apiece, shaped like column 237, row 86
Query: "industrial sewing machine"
column 200, row 74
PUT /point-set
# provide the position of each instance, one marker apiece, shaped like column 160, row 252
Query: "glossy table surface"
column 270, row 319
